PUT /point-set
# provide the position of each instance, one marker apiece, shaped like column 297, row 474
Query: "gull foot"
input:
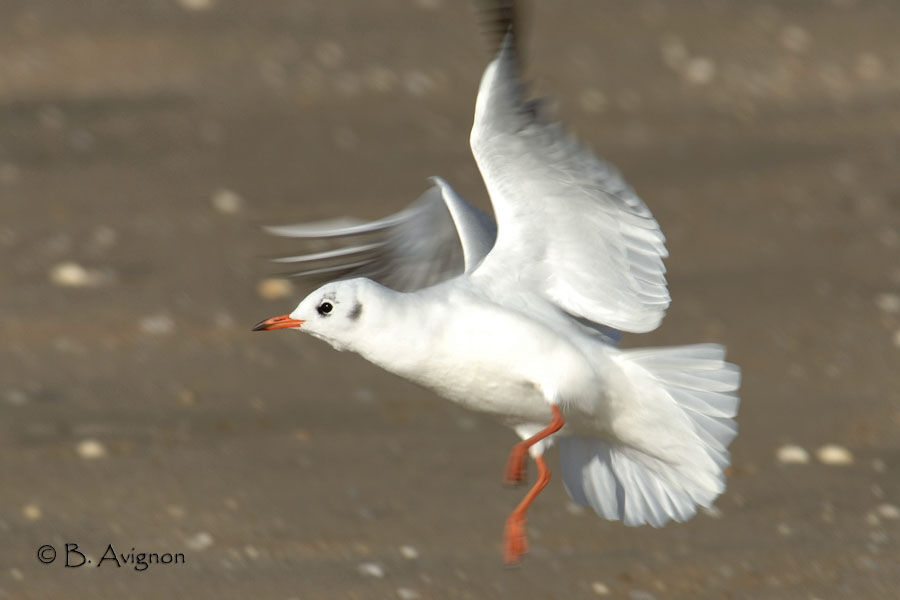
column 515, row 542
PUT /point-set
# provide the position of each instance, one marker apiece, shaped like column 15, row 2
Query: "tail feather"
column 671, row 445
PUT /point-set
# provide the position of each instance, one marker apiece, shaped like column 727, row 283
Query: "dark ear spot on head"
column 355, row 311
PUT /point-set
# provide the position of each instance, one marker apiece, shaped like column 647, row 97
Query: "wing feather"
column 570, row 228
column 436, row 238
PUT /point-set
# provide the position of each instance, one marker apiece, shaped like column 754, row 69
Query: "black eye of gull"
column 325, row 308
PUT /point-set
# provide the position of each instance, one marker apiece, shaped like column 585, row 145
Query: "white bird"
column 521, row 318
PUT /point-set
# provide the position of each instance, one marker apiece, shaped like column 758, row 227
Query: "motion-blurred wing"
column 436, row 238
column 570, row 228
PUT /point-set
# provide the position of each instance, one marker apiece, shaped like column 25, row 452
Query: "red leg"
column 515, row 542
column 515, row 464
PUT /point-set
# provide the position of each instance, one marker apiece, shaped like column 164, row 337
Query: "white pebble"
column 227, row 202
column 409, row 552
column 889, row 303
column 600, row 588
column 32, row 512
column 157, row 324
column 91, row 449
column 889, row 511
column 196, row 5
column 199, row 541
column 274, row 289
column 370, row 569
column 700, row 70
column 832, row 454
column 791, row 454
column 408, row 594
column 70, row 274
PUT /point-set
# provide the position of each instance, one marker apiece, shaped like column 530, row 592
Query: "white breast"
column 482, row 356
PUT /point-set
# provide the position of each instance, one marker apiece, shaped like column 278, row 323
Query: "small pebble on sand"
column 409, row 552
column 31, row 512
column 227, row 202
column 370, row 569
column 160, row 324
column 700, row 70
column 891, row 512
column 408, row 594
column 71, row 274
column 196, row 5
column 199, row 541
column 832, row 454
column 791, row 454
column 91, row 449
column 600, row 588
column 888, row 303
column 274, row 288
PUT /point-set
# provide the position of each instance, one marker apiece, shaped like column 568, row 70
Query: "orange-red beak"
column 282, row 322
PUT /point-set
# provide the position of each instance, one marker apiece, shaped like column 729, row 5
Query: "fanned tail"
column 678, row 430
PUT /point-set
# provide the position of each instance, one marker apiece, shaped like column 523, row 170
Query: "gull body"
column 519, row 316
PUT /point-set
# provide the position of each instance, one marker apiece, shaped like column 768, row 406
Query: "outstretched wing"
column 436, row 238
column 570, row 228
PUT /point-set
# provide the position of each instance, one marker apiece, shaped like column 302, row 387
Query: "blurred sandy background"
column 143, row 143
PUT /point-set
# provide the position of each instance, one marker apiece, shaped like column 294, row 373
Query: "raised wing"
column 570, row 228
column 436, row 238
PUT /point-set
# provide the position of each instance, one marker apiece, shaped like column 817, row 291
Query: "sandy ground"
column 141, row 145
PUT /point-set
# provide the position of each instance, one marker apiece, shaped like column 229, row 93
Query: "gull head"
column 332, row 313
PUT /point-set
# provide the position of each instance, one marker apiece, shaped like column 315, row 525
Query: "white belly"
column 492, row 360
